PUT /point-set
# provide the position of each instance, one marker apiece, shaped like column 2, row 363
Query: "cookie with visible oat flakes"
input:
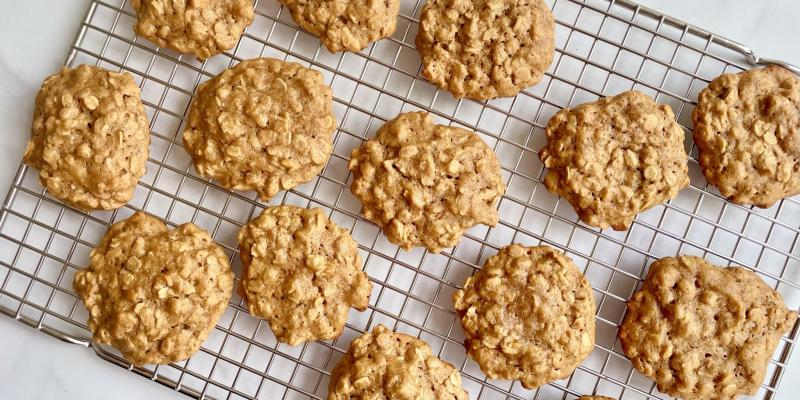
column 90, row 137
column 345, row 24
column 614, row 158
column 702, row 331
column 484, row 49
column 386, row 365
column 153, row 293
column 265, row 125
column 302, row 273
column 528, row 315
column 201, row 27
column 424, row 184
column 747, row 131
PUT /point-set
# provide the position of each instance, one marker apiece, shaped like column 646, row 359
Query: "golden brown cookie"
column 90, row 138
column 153, row 293
column 483, row 49
column 345, row 24
column 702, row 331
column 204, row 28
column 747, row 129
column 424, row 184
column 265, row 125
column 528, row 315
column 302, row 273
column 614, row 158
column 595, row 398
column 388, row 365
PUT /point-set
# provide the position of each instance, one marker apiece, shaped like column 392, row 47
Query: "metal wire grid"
column 602, row 48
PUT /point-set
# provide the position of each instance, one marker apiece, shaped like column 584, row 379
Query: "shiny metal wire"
column 603, row 47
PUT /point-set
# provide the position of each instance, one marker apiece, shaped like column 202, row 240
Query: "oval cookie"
column 203, row 28
column 614, row 158
column 302, row 273
column 263, row 125
column 90, row 138
column 702, row 331
column 747, row 131
column 424, row 184
column 153, row 293
column 528, row 315
column 483, row 49
column 386, row 365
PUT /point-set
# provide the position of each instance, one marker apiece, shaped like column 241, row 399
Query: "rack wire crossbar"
column 603, row 47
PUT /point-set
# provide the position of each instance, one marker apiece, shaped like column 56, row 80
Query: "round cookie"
column 203, row 28
column 595, row 398
column 424, row 184
column 702, row 331
column 264, row 125
column 345, row 25
column 747, row 131
column 153, row 293
column 614, row 158
column 302, row 273
column 483, row 49
column 90, row 138
column 388, row 365
column 528, row 315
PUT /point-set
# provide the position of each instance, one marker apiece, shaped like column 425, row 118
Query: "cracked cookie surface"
column 483, row 49
column 345, row 24
column 747, row 131
column 702, row 331
column 90, row 137
column 264, row 125
column 386, row 365
column 615, row 157
column 153, row 293
column 302, row 273
column 527, row 314
column 424, row 184
column 203, row 28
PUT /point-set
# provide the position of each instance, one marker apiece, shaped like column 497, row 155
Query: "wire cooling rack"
column 602, row 48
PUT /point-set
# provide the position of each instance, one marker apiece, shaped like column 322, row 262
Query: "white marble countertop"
column 34, row 38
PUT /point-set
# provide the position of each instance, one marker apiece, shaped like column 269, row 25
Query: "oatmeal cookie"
column 595, row 398
column 265, row 125
column 424, row 184
column 747, row 131
column 153, row 293
column 388, row 365
column 528, row 314
column 345, row 24
column 302, row 273
column 90, row 137
column 615, row 157
column 203, row 28
column 702, row 331
column 483, row 49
